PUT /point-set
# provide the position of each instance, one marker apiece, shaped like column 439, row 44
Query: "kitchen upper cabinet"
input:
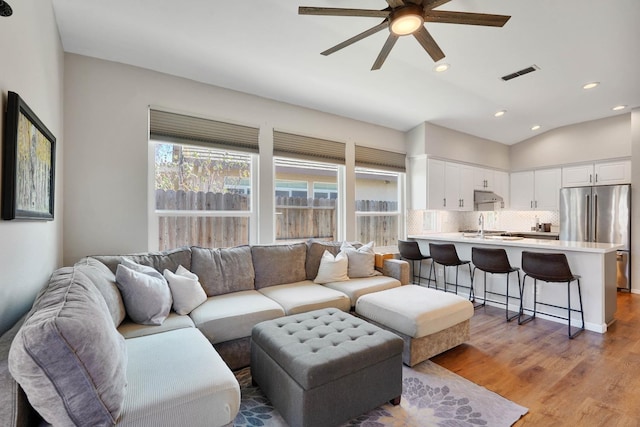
column 484, row 179
column 458, row 187
column 603, row 173
column 535, row 190
column 501, row 188
column 611, row 173
column 440, row 185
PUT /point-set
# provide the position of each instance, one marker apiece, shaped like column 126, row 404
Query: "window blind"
column 185, row 129
column 375, row 158
column 307, row 148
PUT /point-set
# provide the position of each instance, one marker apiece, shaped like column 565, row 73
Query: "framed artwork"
column 28, row 164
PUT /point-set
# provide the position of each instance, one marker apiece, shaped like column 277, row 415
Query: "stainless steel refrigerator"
column 600, row 214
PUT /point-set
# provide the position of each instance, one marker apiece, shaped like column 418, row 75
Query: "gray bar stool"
column 552, row 268
column 446, row 255
column 410, row 250
column 495, row 261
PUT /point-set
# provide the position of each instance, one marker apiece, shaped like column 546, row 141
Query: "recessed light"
column 535, row 127
column 440, row 68
column 590, row 85
column 619, row 107
column 500, row 113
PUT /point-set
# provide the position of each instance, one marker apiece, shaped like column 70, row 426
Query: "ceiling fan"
column 403, row 18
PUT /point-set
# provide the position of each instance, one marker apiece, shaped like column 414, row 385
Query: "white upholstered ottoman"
column 429, row 321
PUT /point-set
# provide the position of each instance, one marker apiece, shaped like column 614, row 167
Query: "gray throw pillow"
column 68, row 357
column 279, row 264
column 361, row 261
column 145, row 293
column 223, row 270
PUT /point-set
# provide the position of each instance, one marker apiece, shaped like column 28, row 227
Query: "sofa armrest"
column 398, row 269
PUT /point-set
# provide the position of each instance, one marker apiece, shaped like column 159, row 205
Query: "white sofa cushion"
column 414, row 310
column 177, row 379
column 130, row 329
column 231, row 316
column 355, row 288
column 300, row 297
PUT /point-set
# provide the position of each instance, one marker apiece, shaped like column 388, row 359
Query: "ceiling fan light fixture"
column 406, row 20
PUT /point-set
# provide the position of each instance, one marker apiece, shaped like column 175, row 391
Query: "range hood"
column 485, row 200
column 485, row 197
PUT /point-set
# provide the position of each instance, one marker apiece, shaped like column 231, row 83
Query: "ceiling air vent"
column 520, row 73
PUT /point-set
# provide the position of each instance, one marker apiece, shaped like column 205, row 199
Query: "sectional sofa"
column 78, row 357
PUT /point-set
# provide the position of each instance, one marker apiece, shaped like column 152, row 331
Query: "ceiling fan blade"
column 356, row 38
column 432, row 4
column 429, row 44
column 467, row 18
column 382, row 56
column 336, row 11
column 395, row 3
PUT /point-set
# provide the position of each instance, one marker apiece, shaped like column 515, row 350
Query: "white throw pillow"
column 186, row 290
column 145, row 293
column 332, row 269
column 361, row 261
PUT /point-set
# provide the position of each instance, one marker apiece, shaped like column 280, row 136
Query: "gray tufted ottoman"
column 325, row 367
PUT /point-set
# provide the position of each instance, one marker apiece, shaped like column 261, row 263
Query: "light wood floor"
column 592, row 380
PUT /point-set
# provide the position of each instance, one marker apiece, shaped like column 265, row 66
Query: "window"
column 298, row 216
column 202, row 196
column 377, row 206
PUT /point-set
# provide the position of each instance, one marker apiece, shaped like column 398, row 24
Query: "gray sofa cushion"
column 223, row 270
column 279, row 264
column 68, row 379
column 14, row 406
column 159, row 260
column 105, row 281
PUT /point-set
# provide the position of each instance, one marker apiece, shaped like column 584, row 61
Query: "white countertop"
column 559, row 245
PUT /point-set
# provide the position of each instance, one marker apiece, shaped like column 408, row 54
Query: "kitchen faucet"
column 481, row 224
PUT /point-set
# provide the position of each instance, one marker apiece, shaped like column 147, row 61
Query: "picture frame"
column 28, row 164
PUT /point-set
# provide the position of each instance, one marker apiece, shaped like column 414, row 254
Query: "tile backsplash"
column 427, row 221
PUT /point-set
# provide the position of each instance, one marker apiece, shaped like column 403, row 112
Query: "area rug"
column 431, row 396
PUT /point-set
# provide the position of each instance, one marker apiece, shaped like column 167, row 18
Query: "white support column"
column 263, row 197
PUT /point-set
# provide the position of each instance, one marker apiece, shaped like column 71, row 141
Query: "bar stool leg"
column 506, row 309
column 571, row 336
column 522, row 318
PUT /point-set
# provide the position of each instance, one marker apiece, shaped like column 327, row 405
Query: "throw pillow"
column 361, row 260
column 332, row 268
column 186, row 290
column 146, row 294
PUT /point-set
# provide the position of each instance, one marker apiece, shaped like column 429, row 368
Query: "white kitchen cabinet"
column 458, row 187
column 484, row 179
column 535, row 190
column 601, row 173
column 610, row 173
column 501, row 188
column 440, row 185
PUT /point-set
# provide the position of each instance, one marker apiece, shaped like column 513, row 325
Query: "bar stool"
column 552, row 268
column 410, row 250
column 446, row 255
column 495, row 261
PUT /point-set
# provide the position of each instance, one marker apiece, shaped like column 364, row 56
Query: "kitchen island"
column 595, row 263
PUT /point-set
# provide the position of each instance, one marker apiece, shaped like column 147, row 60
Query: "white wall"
column 31, row 65
column 607, row 138
column 635, row 200
column 106, row 129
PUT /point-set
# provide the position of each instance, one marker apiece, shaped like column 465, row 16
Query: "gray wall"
column 105, row 117
column 607, row 138
column 31, row 65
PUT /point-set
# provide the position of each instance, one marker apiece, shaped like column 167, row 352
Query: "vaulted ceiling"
column 264, row 47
